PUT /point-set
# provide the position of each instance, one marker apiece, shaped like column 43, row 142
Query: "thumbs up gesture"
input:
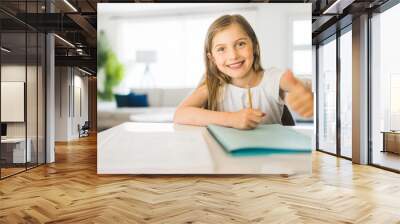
column 298, row 96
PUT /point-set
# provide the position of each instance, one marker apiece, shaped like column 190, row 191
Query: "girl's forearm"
column 201, row 117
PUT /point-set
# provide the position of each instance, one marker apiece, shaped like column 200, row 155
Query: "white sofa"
column 162, row 104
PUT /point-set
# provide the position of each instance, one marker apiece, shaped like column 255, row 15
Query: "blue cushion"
column 137, row 100
column 132, row 100
column 122, row 100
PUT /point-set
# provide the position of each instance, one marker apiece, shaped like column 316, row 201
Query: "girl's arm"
column 190, row 112
column 298, row 95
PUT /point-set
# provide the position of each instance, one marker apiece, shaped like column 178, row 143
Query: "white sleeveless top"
column 265, row 97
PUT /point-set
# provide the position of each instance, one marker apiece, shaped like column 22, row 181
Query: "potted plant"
column 109, row 67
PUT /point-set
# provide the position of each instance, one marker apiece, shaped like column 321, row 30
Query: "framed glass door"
column 327, row 96
column 346, row 92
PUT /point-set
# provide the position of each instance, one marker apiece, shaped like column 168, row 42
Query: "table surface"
column 167, row 148
column 13, row 140
column 390, row 132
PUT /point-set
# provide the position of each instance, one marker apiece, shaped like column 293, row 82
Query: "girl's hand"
column 299, row 97
column 246, row 118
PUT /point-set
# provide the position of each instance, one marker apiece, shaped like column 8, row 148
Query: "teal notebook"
column 264, row 140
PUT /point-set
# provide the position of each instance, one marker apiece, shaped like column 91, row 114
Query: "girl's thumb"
column 289, row 80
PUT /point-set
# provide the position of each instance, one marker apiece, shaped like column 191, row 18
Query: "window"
column 327, row 96
column 346, row 94
column 394, row 102
column 177, row 44
column 385, row 84
column 22, row 65
column 301, row 48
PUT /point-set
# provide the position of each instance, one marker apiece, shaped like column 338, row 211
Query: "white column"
column 50, row 92
column 50, row 99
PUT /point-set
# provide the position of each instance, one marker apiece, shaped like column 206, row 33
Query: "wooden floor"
column 10, row 171
column 70, row 191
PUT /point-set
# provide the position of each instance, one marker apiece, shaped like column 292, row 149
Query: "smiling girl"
column 232, row 58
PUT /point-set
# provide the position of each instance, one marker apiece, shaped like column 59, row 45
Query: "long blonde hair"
column 214, row 79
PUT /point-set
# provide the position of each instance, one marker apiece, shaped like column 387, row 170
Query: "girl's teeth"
column 236, row 65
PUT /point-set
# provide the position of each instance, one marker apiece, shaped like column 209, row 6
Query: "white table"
column 18, row 149
column 165, row 148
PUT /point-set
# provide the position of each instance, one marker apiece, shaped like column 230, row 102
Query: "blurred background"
column 150, row 56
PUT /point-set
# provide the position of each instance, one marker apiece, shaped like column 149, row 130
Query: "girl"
column 233, row 76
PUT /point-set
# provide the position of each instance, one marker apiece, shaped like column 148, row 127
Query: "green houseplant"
column 113, row 69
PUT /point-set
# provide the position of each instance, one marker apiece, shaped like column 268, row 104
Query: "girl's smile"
column 236, row 65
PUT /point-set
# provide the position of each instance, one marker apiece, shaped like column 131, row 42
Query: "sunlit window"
column 385, row 85
column 327, row 97
column 177, row 48
column 174, row 46
column 301, row 32
column 301, row 48
column 302, row 62
column 395, row 102
column 346, row 94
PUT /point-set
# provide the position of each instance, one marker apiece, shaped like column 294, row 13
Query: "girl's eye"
column 241, row 44
column 220, row 49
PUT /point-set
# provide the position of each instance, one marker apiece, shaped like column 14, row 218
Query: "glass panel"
column 41, row 98
column 41, row 6
column 31, row 98
column 13, row 91
column 394, row 101
column 32, row 88
column 346, row 94
column 13, row 87
column 327, row 97
column 23, row 90
column 386, row 89
column 9, row 24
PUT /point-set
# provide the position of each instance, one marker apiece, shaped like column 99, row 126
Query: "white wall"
column 79, row 117
column 67, row 115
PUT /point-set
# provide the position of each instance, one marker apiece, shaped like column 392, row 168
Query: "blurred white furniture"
column 155, row 114
column 162, row 104
column 165, row 148
column 16, row 147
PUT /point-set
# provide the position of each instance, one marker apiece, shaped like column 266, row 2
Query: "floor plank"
column 70, row 191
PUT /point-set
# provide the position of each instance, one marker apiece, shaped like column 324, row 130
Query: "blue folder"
column 264, row 140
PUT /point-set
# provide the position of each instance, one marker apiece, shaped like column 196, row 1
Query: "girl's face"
column 232, row 52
